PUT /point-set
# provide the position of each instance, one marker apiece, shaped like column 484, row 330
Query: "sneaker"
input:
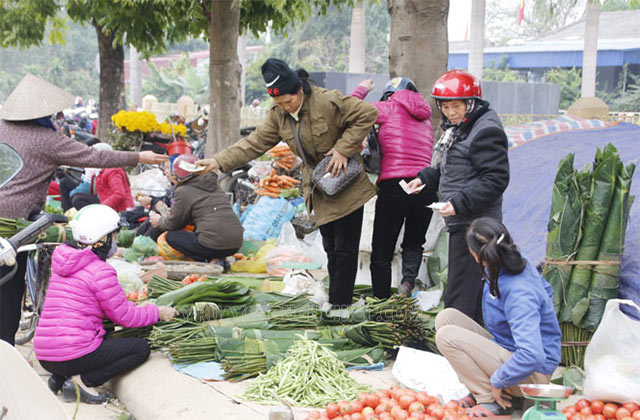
column 405, row 289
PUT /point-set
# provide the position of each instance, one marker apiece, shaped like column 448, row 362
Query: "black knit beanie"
column 279, row 78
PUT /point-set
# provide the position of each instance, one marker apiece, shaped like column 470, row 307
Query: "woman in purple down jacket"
column 83, row 291
column 406, row 141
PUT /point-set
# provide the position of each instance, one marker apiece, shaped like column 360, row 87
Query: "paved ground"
column 114, row 410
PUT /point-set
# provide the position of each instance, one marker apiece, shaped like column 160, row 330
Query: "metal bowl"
column 545, row 390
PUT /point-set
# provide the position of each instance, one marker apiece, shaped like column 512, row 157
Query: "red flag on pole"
column 521, row 13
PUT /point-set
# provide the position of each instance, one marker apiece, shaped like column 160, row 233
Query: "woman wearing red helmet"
column 470, row 170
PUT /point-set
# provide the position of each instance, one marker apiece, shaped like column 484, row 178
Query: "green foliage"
column 501, row 72
column 23, row 22
column 570, row 81
column 177, row 79
column 626, row 95
column 322, row 44
column 70, row 66
column 615, row 5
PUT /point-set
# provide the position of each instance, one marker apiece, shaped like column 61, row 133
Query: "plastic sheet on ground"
column 527, row 200
column 206, row 371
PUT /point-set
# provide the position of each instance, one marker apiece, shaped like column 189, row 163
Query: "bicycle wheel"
column 37, row 277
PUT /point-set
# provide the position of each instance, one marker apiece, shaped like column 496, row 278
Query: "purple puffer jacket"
column 83, row 290
column 405, row 134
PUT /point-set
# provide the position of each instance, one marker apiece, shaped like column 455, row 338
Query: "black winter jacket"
column 475, row 172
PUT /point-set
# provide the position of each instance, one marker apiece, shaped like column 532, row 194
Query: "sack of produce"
column 612, row 359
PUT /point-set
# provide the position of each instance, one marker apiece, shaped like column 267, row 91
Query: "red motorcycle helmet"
column 180, row 173
column 457, row 84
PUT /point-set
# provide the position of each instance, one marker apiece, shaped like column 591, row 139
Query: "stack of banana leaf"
column 59, row 233
column 221, row 293
column 585, row 243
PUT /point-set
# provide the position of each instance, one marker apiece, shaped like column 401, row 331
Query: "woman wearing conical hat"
column 25, row 126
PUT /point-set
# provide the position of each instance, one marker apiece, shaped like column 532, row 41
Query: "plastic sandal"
column 467, row 401
column 489, row 411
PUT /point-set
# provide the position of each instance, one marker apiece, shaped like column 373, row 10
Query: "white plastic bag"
column 298, row 282
column 151, row 182
column 612, row 358
column 311, row 245
column 128, row 274
column 428, row 372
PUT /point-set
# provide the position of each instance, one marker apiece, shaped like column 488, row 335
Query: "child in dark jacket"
column 199, row 201
column 522, row 344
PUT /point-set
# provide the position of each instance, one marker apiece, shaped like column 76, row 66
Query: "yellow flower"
column 142, row 121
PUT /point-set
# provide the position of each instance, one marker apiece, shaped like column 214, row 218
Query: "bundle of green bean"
column 158, row 286
column 310, row 376
column 194, row 350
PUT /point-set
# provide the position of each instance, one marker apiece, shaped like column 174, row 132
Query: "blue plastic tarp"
column 527, row 201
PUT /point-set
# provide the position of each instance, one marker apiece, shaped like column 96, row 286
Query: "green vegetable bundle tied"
column 222, row 293
column 564, row 229
column 604, row 281
column 602, row 186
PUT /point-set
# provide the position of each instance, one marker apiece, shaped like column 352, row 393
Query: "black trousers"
column 341, row 242
column 11, row 300
column 395, row 208
column 187, row 243
column 66, row 186
column 114, row 356
column 79, row 200
column 145, row 229
column 464, row 282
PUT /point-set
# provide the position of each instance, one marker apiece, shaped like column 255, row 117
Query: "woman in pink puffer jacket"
column 406, row 142
column 84, row 290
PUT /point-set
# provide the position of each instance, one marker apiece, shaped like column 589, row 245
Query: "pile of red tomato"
column 396, row 403
column 598, row 410
column 192, row 278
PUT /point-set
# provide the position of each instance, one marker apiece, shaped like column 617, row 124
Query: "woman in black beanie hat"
column 328, row 124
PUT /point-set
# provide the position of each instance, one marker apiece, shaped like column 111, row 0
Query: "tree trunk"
column 419, row 46
column 357, row 43
column 224, row 77
column 590, row 53
column 112, row 92
column 476, row 50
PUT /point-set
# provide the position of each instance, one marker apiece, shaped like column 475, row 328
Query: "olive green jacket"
column 328, row 120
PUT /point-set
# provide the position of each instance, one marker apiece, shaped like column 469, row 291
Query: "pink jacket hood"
column 67, row 260
column 413, row 103
column 405, row 134
column 83, row 290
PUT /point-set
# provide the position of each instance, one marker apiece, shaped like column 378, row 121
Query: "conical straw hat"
column 34, row 98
